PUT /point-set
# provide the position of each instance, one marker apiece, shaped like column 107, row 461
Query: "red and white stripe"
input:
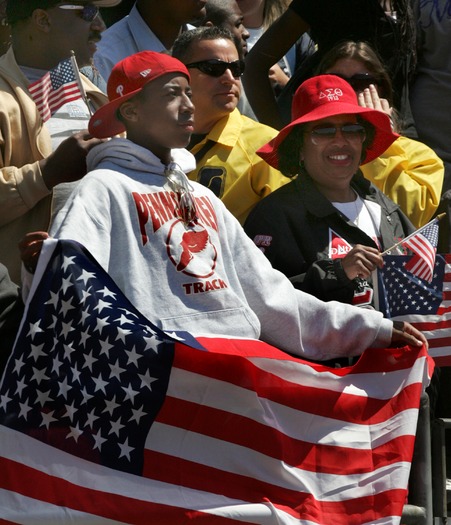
column 422, row 263
column 247, row 434
column 49, row 101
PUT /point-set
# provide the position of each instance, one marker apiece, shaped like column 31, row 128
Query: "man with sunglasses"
column 224, row 141
column 227, row 14
column 37, row 156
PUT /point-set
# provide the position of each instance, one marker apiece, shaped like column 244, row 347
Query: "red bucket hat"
column 325, row 96
column 127, row 79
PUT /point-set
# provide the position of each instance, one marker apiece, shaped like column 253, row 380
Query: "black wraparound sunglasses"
column 216, row 68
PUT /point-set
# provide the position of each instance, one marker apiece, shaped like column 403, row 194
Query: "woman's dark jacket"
column 292, row 226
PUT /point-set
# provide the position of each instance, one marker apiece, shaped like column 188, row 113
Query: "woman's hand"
column 369, row 98
column 361, row 261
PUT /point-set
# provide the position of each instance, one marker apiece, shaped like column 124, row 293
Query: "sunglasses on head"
column 87, row 12
column 359, row 81
column 216, row 68
column 351, row 132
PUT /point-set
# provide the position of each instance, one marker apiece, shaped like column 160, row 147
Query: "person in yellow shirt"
column 224, row 141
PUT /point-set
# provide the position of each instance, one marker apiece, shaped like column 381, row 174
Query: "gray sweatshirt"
column 208, row 278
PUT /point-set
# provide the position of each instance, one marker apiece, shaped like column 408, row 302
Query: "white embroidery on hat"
column 120, row 90
column 145, row 73
column 331, row 94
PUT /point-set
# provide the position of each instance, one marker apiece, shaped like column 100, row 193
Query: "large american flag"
column 57, row 87
column 423, row 244
column 402, row 296
column 106, row 419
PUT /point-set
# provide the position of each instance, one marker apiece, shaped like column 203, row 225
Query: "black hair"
column 290, row 152
column 17, row 10
column 217, row 12
column 182, row 45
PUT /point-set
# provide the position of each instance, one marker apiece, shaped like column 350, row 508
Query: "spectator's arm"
column 267, row 51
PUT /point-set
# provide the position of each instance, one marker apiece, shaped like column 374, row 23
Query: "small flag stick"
column 79, row 82
column 436, row 219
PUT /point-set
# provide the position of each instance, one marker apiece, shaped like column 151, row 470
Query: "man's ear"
column 41, row 19
column 128, row 111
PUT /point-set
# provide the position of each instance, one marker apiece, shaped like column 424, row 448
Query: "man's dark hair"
column 182, row 45
column 217, row 12
column 17, row 10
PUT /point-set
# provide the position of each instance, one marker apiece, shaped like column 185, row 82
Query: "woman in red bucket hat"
column 325, row 230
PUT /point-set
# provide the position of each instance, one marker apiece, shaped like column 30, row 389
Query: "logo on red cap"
column 331, row 94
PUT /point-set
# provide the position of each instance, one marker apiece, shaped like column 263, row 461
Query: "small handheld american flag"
column 57, row 87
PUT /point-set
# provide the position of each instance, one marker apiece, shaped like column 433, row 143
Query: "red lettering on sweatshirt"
column 143, row 214
column 161, row 207
column 204, row 287
column 206, row 212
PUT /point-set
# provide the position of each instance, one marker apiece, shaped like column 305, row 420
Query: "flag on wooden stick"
column 57, row 87
column 423, row 244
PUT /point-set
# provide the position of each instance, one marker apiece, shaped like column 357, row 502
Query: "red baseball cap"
column 127, row 79
column 326, row 96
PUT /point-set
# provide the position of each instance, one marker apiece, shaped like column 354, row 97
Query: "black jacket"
column 292, row 227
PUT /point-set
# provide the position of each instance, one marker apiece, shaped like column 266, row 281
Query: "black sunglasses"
column 216, row 68
column 359, row 81
column 87, row 12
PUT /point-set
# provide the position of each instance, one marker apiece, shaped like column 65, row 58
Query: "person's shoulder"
column 408, row 148
column 256, row 131
column 10, row 74
column 115, row 30
column 413, row 145
column 93, row 89
column 281, row 196
column 275, row 208
column 369, row 191
column 114, row 38
column 101, row 176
